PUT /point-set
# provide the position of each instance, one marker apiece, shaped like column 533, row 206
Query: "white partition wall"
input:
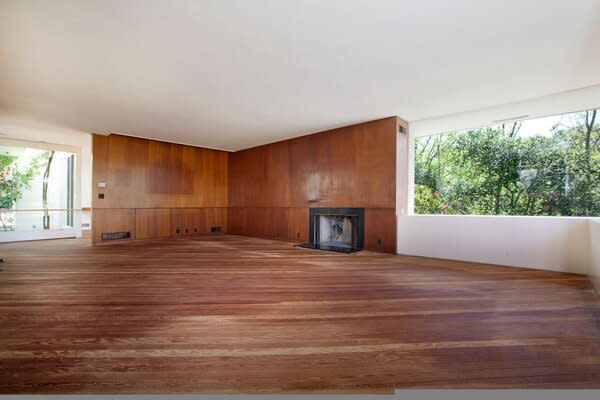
column 569, row 244
column 594, row 271
column 18, row 131
column 550, row 243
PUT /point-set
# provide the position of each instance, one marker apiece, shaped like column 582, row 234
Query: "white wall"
column 559, row 103
column 16, row 129
column 594, row 271
column 402, row 173
column 21, row 128
column 552, row 243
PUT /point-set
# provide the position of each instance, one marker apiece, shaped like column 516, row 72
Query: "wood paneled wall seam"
column 271, row 187
column 157, row 189
column 147, row 181
column 142, row 173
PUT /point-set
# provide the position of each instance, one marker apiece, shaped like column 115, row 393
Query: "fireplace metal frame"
column 316, row 212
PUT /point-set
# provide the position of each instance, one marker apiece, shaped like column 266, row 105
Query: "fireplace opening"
column 336, row 229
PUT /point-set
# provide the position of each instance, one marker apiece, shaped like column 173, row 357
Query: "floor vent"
column 116, row 235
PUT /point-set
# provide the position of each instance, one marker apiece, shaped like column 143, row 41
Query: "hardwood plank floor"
column 235, row 314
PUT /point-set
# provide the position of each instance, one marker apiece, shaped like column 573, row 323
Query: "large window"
column 36, row 189
column 544, row 166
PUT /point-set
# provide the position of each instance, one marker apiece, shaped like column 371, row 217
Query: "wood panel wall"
column 157, row 189
column 272, row 187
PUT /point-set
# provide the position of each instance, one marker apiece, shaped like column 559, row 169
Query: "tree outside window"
column 548, row 166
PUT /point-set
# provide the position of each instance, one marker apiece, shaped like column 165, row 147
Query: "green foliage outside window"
column 500, row 171
column 15, row 180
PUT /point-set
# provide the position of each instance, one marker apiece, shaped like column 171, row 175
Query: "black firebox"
column 336, row 229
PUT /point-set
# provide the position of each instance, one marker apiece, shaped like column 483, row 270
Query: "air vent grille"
column 116, row 235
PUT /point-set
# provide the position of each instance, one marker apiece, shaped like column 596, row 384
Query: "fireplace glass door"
column 336, row 229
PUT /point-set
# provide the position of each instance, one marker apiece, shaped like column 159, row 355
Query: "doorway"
column 37, row 192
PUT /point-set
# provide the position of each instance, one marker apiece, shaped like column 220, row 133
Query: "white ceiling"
column 235, row 74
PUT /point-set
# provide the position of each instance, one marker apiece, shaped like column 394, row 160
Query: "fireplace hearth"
column 336, row 229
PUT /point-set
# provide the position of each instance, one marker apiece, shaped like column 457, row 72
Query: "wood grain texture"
column 269, row 188
column 229, row 314
column 99, row 165
column 147, row 223
column 353, row 166
column 380, row 229
column 112, row 220
column 186, row 222
column 214, row 217
column 298, row 225
column 152, row 223
column 150, row 178
column 142, row 173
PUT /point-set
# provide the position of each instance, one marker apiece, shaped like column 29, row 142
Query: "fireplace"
column 336, row 229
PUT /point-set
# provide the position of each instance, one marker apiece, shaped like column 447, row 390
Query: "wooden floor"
column 235, row 314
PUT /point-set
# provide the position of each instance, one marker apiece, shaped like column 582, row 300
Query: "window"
column 70, row 188
column 544, row 166
column 36, row 189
